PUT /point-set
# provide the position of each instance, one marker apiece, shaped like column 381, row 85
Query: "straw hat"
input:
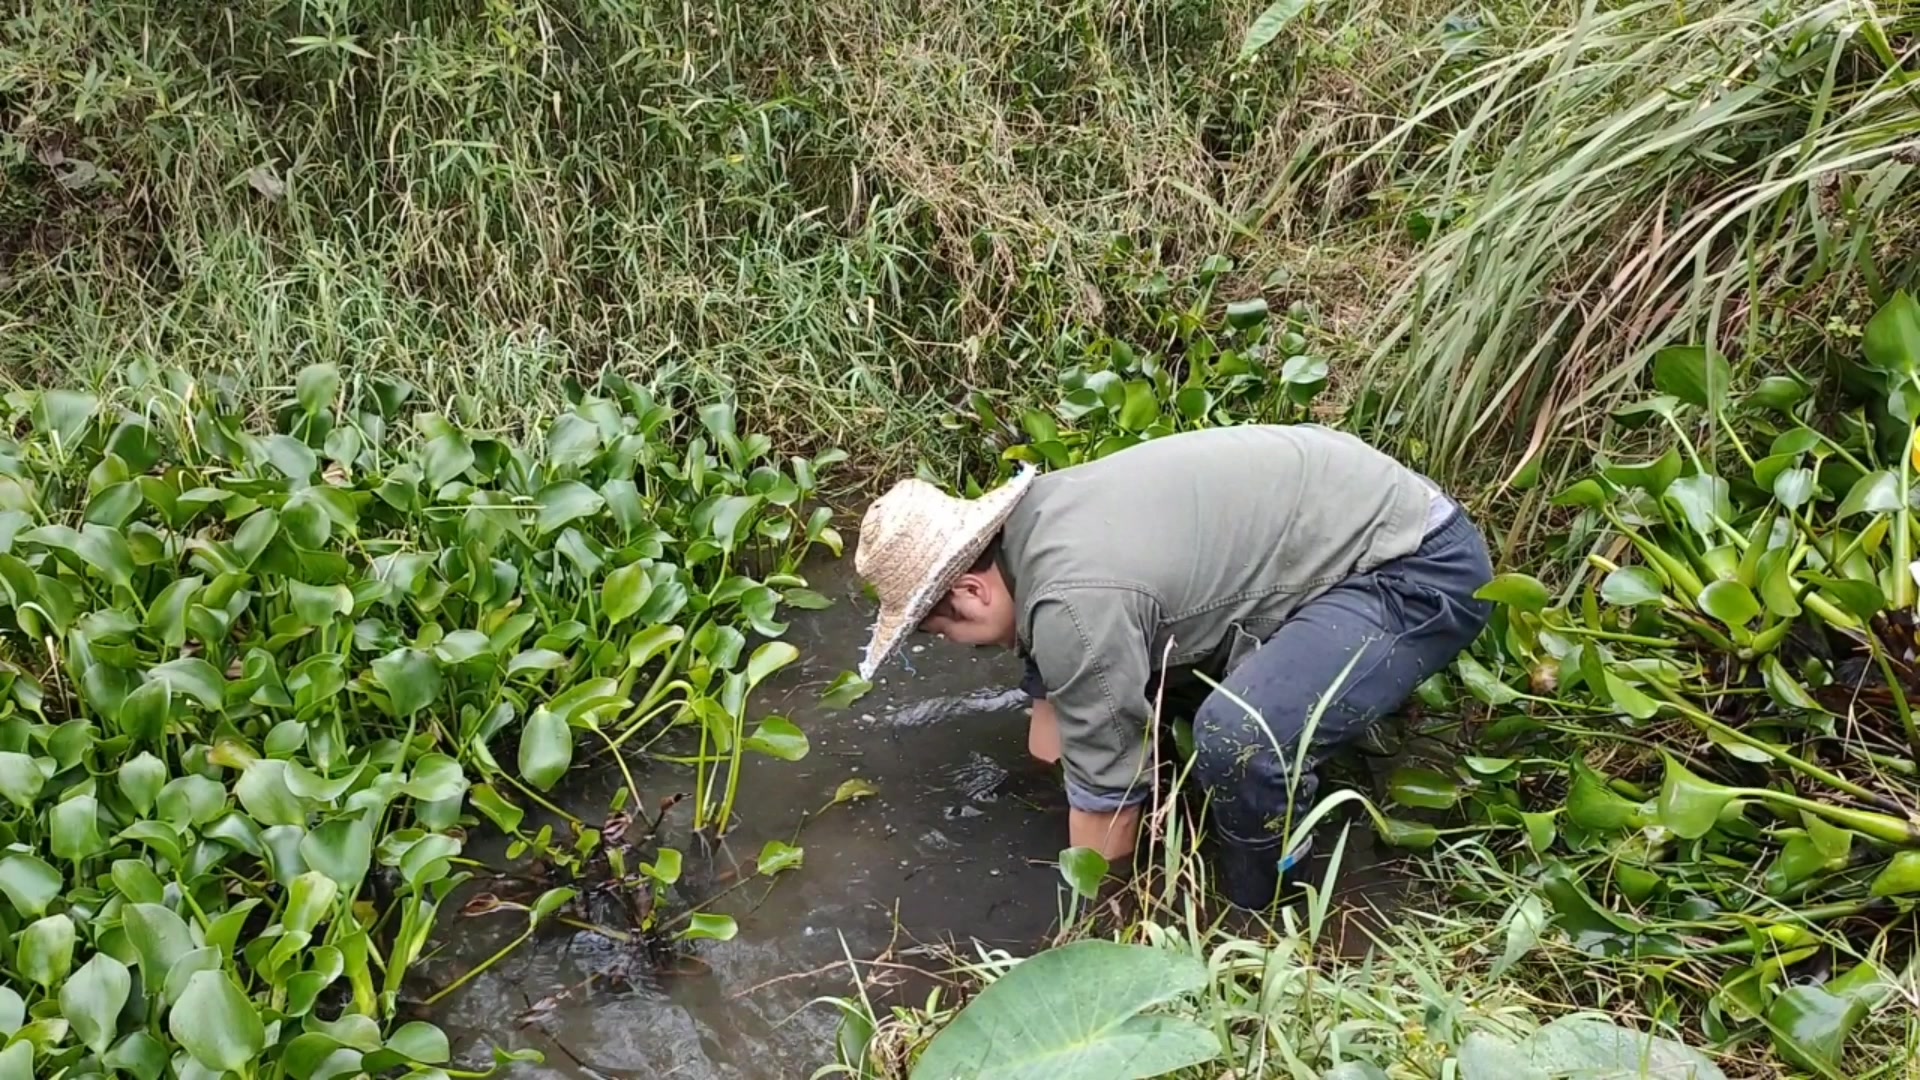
column 914, row 541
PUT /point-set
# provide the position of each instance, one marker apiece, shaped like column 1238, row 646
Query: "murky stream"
column 956, row 848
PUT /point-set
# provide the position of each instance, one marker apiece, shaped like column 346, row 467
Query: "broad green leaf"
column 768, row 659
column 191, row 800
column 1811, row 1026
column 318, row 605
column 139, row 1055
column 845, row 689
column 1591, row 804
column 1140, row 407
column 1078, row 1010
column 1586, row 1047
column 411, row 679
column 1083, row 869
column 1653, row 477
column 776, row 856
column 30, row 883
column 1520, row 591
column 462, row 646
column 1900, row 877
column 705, row 927
column 1525, row 922
column 1268, row 25
column 141, row 778
column 1794, row 488
column 137, row 881
column 651, row 642
column 44, row 953
column 1892, row 338
column 342, row 849
column 1862, row 599
column 1701, row 499
column 496, row 808
column 445, row 457
column 63, row 415
column 436, row 777
column 16, row 1061
column 250, row 540
column 777, row 737
column 194, row 678
column 1631, row 586
column 91, row 1000
column 1875, row 493
column 625, row 592
column 1693, row 374
column 1586, row 493
column 1730, row 602
column 854, row 790
column 1689, row 806
column 262, row 789
column 564, row 502
column 316, row 386
column 665, row 868
column 74, row 825
column 419, row 1041
column 20, row 779
column 1422, row 788
column 729, row 515
column 1481, row 683
column 308, row 901
column 167, row 617
column 216, row 1023
column 159, row 937
column 546, row 749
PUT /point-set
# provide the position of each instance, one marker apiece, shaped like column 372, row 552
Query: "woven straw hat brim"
column 932, row 539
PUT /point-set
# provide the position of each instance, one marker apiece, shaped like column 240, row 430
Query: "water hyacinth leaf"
column 625, row 592
column 1701, row 499
column 1876, row 492
column 419, row 1041
column 1083, row 869
column 1689, row 806
column 853, row 790
column 546, row 749
column 1631, row 586
column 318, row 605
column 730, row 517
column 1730, row 602
column 159, row 937
column 20, row 779
column 703, row 926
column 342, row 849
column 497, row 809
column 91, row 1000
column 1794, row 488
column 262, row 789
column 1424, row 789
column 44, row 953
column 1584, row 1046
column 436, row 777
column 562, row 503
column 1524, row 923
column 768, row 659
column 1862, row 599
column 194, row 678
column 462, row 646
column 29, row 883
column 1591, row 804
column 215, row 1023
column 651, row 642
column 315, row 387
column 1523, row 592
column 665, row 867
column 1778, row 392
column 1892, row 338
column 74, row 828
column 845, row 689
column 1653, row 477
column 776, row 856
column 1401, row 833
column 1783, row 687
column 1811, row 1026
column 446, row 457
column 1694, row 374
column 1140, row 408
column 536, row 660
column 777, row 737
column 1900, row 877
column 411, row 679
column 1483, row 684
column 1078, row 1010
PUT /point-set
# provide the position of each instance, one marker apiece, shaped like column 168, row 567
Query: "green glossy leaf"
column 318, row 605
column 159, row 937
column 703, row 926
column 625, row 592
column 1794, row 488
column 1862, row 599
column 496, row 808
column 91, row 1000
column 665, row 868
column 74, row 828
column 1422, row 788
column 1892, row 338
column 1900, row 877
column 777, row 737
column 1693, row 374
column 1523, row 592
column 1811, row 1026
column 1653, row 477
column 1591, row 804
column 1083, row 869
column 1689, row 806
column 1140, row 407
column 419, row 1041
column 1701, row 499
column 845, row 689
column 1078, row 1010
column 342, row 849
column 194, row 678
column 262, row 789
column 44, row 954
column 1730, row 602
column 546, row 749
column 854, row 790
column 411, row 679
column 20, row 779
column 436, row 777
column 562, row 503
column 1481, row 683
column 30, row 883
column 644, row 646
column 1875, row 493
column 216, row 1024
column 1631, row 586
column 316, row 386
column 445, row 458
column 767, row 659
column 776, row 856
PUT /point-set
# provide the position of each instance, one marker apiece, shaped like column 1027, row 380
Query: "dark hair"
column 987, row 557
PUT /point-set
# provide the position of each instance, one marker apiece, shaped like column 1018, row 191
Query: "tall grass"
column 1651, row 173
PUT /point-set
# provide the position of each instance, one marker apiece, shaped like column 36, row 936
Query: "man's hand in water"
column 1112, row 834
column 1043, row 733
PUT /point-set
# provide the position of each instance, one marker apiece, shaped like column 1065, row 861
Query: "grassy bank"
column 493, row 237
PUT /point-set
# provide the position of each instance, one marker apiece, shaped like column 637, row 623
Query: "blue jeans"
column 1396, row 625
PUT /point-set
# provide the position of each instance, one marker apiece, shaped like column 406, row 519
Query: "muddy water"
column 956, row 849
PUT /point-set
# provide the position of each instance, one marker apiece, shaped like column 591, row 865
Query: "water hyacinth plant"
column 257, row 681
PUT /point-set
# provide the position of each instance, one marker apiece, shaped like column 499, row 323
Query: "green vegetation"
column 258, row 685
column 363, row 469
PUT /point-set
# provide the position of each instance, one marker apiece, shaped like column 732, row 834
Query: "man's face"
column 977, row 610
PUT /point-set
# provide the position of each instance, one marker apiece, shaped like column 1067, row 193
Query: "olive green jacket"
column 1184, row 553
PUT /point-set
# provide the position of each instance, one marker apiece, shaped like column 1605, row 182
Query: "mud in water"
column 956, row 849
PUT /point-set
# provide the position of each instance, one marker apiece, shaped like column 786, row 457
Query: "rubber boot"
column 1251, row 872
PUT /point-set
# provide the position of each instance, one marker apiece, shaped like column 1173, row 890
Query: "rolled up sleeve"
column 1091, row 650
